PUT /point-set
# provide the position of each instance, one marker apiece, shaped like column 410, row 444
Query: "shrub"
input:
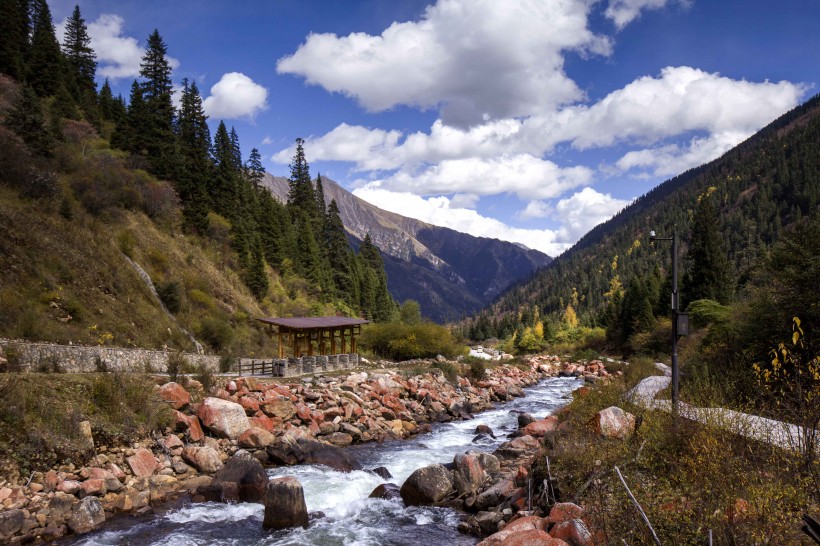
column 216, row 332
column 206, row 377
column 177, row 364
column 126, row 243
column 398, row 341
column 170, row 293
column 478, row 368
column 448, row 369
column 201, row 299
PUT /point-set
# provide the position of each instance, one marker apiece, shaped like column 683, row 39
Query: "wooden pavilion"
column 314, row 335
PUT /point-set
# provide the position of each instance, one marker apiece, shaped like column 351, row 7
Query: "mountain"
column 760, row 188
column 450, row 274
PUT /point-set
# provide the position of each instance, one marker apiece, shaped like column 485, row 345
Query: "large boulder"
column 11, row 521
column 87, row 515
column 224, row 418
column 256, row 438
column 525, row 419
column 495, row 495
column 613, row 422
column 285, row 504
column 206, row 459
column 427, row 486
column 468, row 475
column 289, row 451
column 242, row 479
column 176, row 396
column 279, row 407
column 564, row 511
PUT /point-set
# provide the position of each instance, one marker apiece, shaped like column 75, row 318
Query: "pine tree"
column 255, row 169
column 77, row 50
column 301, row 196
column 337, row 251
column 26, row 119
column 256, row 278
column 44, row 66
column 321, row 207
column 156, row 92
column 129, row 134
column 709, row 276
column 383, row 307
column 14, row 33
column 194, row 138
column 223, row 191
column 107, row 103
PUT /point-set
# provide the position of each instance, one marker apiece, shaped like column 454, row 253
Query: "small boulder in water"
column 386, row 491
column 285, row 504
column 525, row 419
column 484, row 429
column 427, row 486
column 383, row 472
column 242, row 479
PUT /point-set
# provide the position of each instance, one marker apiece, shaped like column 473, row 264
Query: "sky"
column 530, row 121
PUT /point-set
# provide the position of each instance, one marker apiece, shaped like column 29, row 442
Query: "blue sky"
column 529, row 121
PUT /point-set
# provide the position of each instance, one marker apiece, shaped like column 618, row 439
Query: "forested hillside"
column 726, row 214
column 91, row 181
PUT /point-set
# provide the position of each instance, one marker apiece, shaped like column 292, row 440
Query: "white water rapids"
column 350, row 517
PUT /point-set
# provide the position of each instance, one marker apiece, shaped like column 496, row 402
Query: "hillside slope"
column 450, row 274
column 762, row 186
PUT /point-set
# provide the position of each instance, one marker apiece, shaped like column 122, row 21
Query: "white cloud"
column 536, row 209
column 460, row 57
column 524, row 175
column 235, row 96
column 442, row 211
column 267, row 141
column 583, row 211
column 623, row 12
column 118, row 55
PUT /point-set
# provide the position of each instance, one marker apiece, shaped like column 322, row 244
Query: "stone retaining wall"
column 80, row 358
column 288, row 367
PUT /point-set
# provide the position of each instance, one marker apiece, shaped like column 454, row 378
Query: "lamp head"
column 651, row 236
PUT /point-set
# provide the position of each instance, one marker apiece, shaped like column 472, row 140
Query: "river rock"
column 279, row 407
column 613, row 422
column 256, row 438
column 60, row 504
column 340, row 439
column 386, row 491
column 11, row 521
column 142, row 463
column 541, row 427
column 382, row 471
column 484, row 429
column 574, row 532
column 224, row 418
column 525, row 419
column 175, row 395
column 289, row 451
column 205, row 459
column 241, row 479
column 87, row 515
column 495, row 495
column 467, row 473
column 564, row 511
column 285, row 504
column 427, row 486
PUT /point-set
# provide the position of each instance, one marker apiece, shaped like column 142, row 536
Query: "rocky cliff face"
column 450, row 274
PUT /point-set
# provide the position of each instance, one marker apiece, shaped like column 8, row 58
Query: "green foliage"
column 709, row 276
column 126, row 242
column 205, row 376
column 170, row 293
column 398, row 341
column 478, row 368
column 216, row 332
column 449, row 370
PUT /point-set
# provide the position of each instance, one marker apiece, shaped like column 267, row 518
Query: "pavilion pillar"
column 342, row 332
column 281, row 345
column 333, row 341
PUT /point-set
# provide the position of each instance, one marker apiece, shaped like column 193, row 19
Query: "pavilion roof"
column 311, row 323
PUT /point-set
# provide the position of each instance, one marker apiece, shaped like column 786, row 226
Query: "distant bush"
column 177, row 364
column 398, row 341
column 449, row 370
column 204, row 376
column 170, row 293
column 126, row 243
column 478, row 368
column 216, row 332
column 200, row 298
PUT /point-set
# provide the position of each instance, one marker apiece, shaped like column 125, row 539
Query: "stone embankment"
column 215, row 445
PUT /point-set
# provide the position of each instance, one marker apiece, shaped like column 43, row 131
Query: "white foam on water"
column 214, row 512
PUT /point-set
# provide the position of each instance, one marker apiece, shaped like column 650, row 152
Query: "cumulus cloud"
column 536, row 209
column 118, row 55
column 441, row 211
column 524, row 175
column 623, row 12
column 234, row 96
column 459, row 57
column 583, row 211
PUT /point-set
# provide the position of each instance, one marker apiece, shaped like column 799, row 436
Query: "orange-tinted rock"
column 175, row 395
column 613, row 422
column 262, row 421
column 181, row 421
column 195, row 433
column 94, row 487
column 250, row 404
column 540, row 428
column 278, row 407
column 565, row 511
column 256, row 438
column 574, row 532
column 303, row 412
column 223, row 418
column 142, row 463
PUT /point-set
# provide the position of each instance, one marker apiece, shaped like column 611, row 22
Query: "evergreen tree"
column 223, row 190
column 321, row 207
column 254, row 168
column 710, row 275
column 27, row 120
column 156, row 88
column 44, row 67
column 337, row 251
column 14, row 33
column 78, row 53
column 194, row 138
column 301, row 196
column 109, row 109
column 129, row 135
column 383, row 307
column 256, row 278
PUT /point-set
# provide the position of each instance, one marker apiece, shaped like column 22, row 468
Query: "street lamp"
column 680, row 321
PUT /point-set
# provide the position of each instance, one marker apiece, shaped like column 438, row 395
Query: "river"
column 350, row 517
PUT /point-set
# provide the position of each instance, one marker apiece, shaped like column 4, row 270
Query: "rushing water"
column 350, row 517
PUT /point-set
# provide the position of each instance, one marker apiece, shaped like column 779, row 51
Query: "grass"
column 40, row 415
column 688, row 477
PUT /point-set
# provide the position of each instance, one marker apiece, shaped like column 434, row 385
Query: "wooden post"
column 281, row 346
column 309, row 336
column 343, row 332
column 352, row 341
column 333, row 341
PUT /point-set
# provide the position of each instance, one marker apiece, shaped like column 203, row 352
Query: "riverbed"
column 349, row 516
